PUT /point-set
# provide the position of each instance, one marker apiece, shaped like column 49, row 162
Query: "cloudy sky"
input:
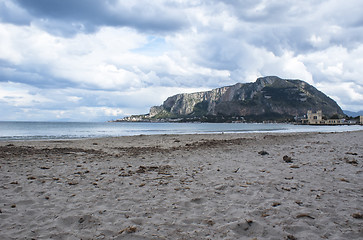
column 96, row 60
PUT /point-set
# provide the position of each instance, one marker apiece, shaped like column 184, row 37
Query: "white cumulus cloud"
column 116, row 58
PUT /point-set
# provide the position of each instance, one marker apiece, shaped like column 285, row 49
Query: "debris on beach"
column 351, row 161
column 357, row 215
column 209, row 222
column 72, row 183
column 291, row 237
column 352, row 153
column 294, row 166
column 130, row 229
column 344, row 180
column 263, row 153
column 304, row 215
column 275, row 204
column 287, row 159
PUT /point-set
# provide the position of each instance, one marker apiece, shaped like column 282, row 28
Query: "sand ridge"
column 213, row 186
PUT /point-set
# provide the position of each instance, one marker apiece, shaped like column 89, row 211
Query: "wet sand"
column 217, row 186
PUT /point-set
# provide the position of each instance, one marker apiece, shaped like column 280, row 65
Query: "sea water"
column 74, row 130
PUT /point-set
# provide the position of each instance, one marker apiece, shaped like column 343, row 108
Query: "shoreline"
column 190, row 186
column 57, row 131
column 211, row 134
column 176, row 134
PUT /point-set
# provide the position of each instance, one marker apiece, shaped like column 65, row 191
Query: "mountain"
column 269, row 98
column 353, row 114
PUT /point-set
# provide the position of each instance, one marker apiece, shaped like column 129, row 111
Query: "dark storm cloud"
column 351, row 37
column 70, row 16
column 276, row 28
column 259, row 11
column 278, row 40
column 12, row 14
column 281, row 25
column 34, row 75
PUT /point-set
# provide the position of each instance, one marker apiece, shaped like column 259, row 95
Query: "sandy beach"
column 216, row 186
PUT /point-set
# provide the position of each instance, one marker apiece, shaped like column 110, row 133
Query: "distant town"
column 311, row 118
column 319, row 119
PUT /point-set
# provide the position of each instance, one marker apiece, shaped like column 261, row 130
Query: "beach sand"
column 217, row 186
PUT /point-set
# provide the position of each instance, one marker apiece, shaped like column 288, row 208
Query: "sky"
column 98, row 60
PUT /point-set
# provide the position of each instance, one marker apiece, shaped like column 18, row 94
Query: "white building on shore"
column 317, row 119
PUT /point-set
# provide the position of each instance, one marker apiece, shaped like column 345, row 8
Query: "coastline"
column 24, row 131
column 189, row 186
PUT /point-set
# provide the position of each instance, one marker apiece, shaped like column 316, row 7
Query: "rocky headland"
column 267, row 99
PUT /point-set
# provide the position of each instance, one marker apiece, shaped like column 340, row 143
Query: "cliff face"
column 267, row 97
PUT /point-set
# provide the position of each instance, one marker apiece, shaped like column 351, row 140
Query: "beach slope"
column 217, row 186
